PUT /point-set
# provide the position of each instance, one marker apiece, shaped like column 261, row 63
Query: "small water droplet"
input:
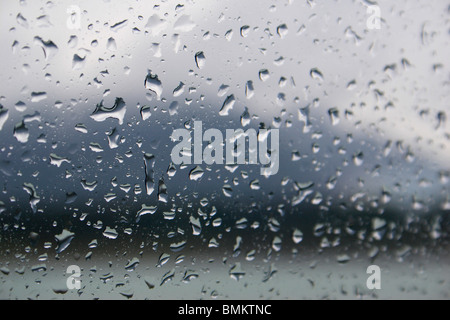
column 227, row 191
column 111, row 44
column 297, row 236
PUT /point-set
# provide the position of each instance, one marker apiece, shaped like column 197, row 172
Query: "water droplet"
column 162, row 192
column 132, row 264
column 282, row 30
column 50, row 49
column 254, row 185
column 144, row 211
column 297, row 236
column 276, row 243
column 155, row 24
column 118, row 111
column 21, row 132
column 150, row 282
column 22, row 21
column 64, row 239
column 113, row 139
column 196, row 173
column 81, row 128
column 70, row 197
column 153, row 84
column 200, row 59
column 173, row 108
column 119, row 25
column 196, row 226
column 149, row 163
column 351, row 85
column 236, row 272
column 223, row 89
column 111, row 44
column 229, row 35
column 145, row 112
column 358, row 158
column 249, row 89
column 227, row 105
column 167, row 277
column 163, row 259
column 34, row 198
column 264, row 74
column 184, row 24
column 245, row 118
column 244, row 31
column 227, row 190
column 178, row 246
column 343, row 258
column 38, row 96
column 57, row 160
column 178, row 91
column 110, row 233
column 334, row 116
column 316, row 74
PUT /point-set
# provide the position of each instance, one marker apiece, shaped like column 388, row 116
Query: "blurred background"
column 92, row 90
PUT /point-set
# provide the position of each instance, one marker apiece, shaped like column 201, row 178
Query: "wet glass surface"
column 350, row 99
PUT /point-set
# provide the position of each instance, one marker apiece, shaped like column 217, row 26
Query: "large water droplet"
column 200, row 59
column 57, row 160
column 297, row 236
column 236, row 272
column 264, row 74
column 144, row 211
column 249, row 90
column 21, row 132
column 64, row 240
column 227, row 105
column 316, row 74
column 196, row 173
column 196, row 226
column 118, row 111
column 162, row 192
column 244, row 31
column 110, row 233
column 334, row 116
column 282, row 30
column 153, row 84
column 50, row 49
